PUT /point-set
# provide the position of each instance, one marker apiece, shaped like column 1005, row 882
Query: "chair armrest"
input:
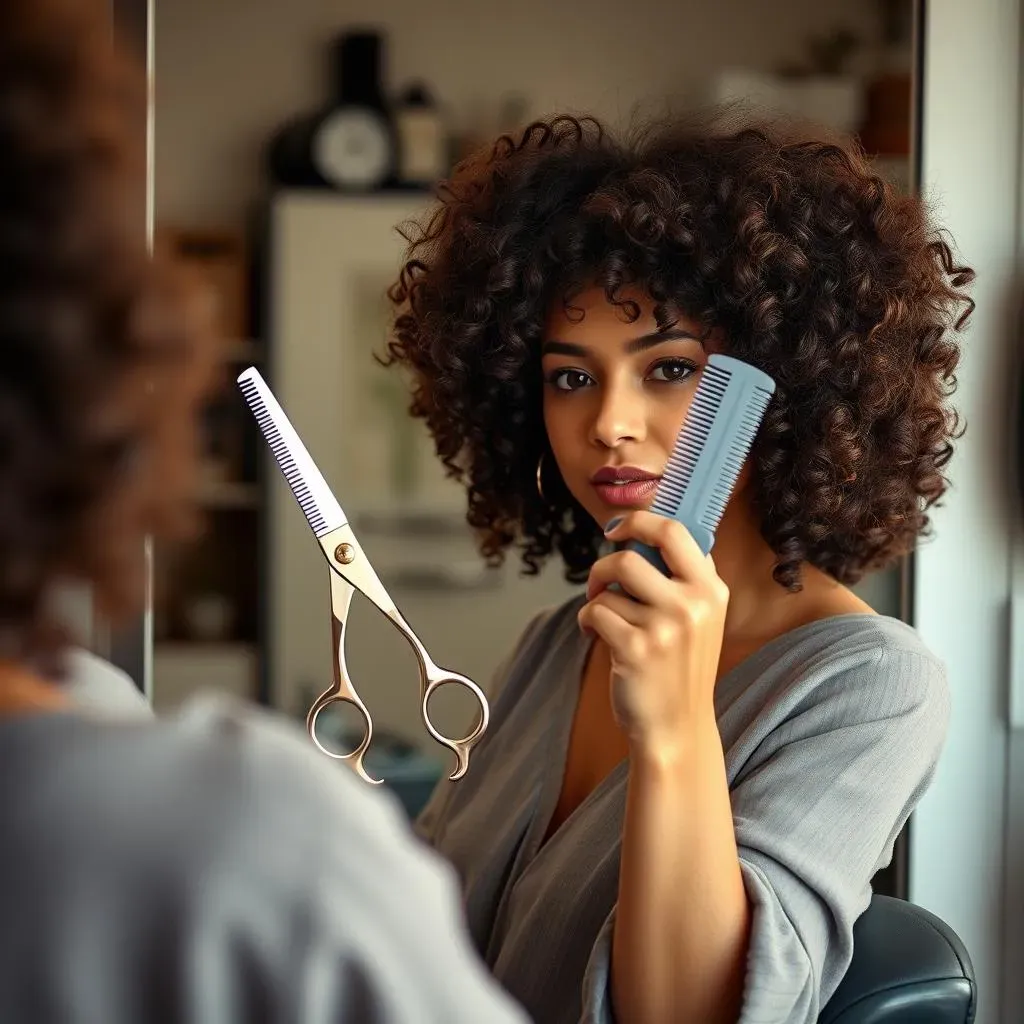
column 909, row 967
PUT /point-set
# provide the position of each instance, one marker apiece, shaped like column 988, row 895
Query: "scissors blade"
column 318, row 504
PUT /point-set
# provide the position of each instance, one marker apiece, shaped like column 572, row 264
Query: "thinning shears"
column 350, row 570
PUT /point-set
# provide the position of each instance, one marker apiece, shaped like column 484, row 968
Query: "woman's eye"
column 569, row 380
column 673, row 371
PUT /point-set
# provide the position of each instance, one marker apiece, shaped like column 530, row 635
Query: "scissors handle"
column 342, row 690
column 352, row 570
column 462, row 747
column 354, row 758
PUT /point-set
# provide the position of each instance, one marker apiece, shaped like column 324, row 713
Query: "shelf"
column 169, row 650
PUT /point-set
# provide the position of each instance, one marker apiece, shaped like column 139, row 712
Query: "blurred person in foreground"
column 211, row 867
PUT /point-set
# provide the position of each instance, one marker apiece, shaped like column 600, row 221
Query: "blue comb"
column 713, row 444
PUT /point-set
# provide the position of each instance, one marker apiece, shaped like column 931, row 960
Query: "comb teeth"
column 699, row 420
column 719, row 430
column 282, row 453
column 740, row 445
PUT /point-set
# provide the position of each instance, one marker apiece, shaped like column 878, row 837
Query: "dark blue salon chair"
column 908, row 968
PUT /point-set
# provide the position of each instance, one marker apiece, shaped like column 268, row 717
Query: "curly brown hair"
column 103, row 354
column 787, row 242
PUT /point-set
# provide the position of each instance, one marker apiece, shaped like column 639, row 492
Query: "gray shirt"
column 213, row 868
column 95, row 685
column 831, row 735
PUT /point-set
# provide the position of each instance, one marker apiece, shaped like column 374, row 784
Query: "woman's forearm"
column 682, row 921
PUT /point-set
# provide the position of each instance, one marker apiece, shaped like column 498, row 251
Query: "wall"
column 229, row 71
column 971, row 168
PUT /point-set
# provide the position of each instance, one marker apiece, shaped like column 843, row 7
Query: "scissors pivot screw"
column 345, row 553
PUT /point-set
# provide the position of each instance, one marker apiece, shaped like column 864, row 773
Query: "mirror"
column 288, row 207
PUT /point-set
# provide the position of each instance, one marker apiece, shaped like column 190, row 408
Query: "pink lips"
column 624, row 486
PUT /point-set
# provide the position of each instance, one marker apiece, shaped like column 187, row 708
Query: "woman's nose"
column 619, row 416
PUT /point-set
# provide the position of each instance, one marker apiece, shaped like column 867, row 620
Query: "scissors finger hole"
column 340, row 728
column 453, row 709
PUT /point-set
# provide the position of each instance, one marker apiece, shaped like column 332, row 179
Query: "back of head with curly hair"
column 102, row 354
column 808, row 264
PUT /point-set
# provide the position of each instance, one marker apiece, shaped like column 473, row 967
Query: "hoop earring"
column 540, row 486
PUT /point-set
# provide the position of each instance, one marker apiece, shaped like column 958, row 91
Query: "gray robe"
column 831, row 734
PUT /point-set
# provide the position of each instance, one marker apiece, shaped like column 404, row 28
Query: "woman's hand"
column 666, row 644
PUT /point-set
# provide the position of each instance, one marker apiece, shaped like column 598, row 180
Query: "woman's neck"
column 758, row 606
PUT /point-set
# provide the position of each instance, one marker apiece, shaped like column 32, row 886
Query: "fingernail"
column 612, row 523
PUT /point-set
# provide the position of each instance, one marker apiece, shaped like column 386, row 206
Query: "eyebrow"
column 634, row 345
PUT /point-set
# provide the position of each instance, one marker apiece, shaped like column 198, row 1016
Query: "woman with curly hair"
column 172, row 872
column 686, row 788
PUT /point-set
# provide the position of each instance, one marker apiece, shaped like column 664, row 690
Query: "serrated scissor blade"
column 318, row 504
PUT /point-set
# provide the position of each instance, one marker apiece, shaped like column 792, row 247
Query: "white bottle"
column 423, row 147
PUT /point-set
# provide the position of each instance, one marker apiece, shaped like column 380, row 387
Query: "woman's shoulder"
column 839, row 672
column 229, row 799
column 96, row 685
column 856, row 633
